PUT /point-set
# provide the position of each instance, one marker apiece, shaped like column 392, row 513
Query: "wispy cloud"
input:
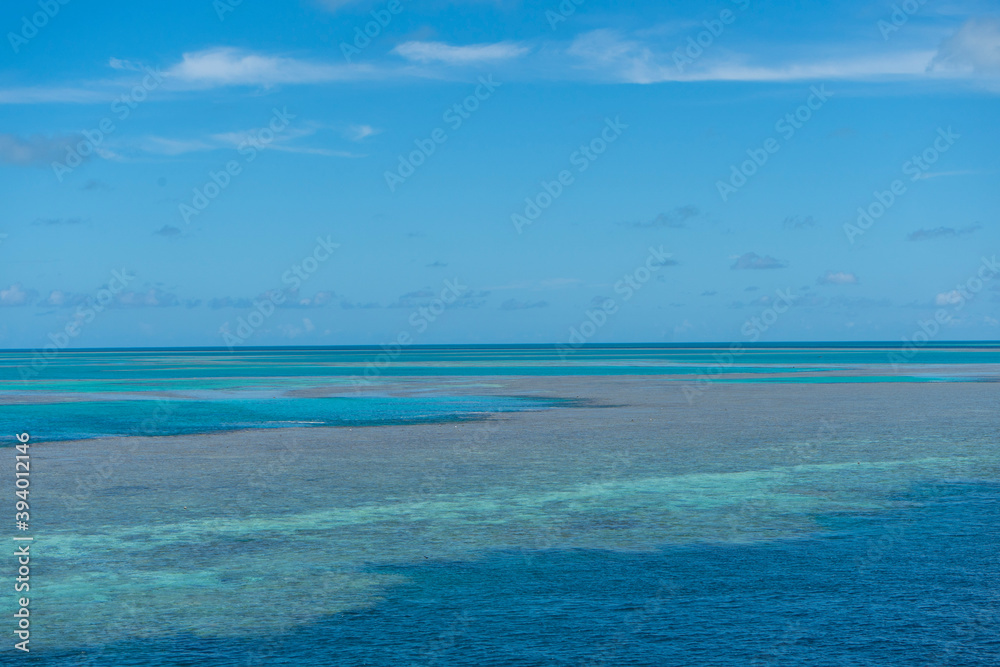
column 515, row 304
column 222, row 302
column 291, row 299
column 426, row 296
column 615, row 56
column 168, row 231
column 940, row 232
column 120, row 64
column 151, row 298
column 49, row 222
column 167, row 146
column 359, row 305
column 799, row 222
column 360, row 132
column 837, row 278
column 974, row 48
column 439, row 52
column 294, row 331
column 280, row 142
column 154, row 297
column 283, row 141
column 16, row 295
column 34, row 150
column 948, row 298
column 540, row 285
column 752, row 260
column 61, row 299
column 852, row 302
column 675, row 219
column 938, row 174
column 227, row 66
column 317, row 300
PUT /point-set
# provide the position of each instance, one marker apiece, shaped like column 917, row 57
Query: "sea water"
column 505, row 506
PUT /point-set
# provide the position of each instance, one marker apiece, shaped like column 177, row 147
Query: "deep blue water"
column 915, row 586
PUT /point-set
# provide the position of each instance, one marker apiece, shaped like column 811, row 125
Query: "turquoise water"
column 129, row 370
column 77, row 420
column 807, row 506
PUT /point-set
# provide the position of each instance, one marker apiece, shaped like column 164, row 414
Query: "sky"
column 354, row 172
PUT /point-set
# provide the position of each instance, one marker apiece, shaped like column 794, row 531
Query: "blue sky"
column 496, row 172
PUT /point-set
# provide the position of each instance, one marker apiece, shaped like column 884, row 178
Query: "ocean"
column 508, row 505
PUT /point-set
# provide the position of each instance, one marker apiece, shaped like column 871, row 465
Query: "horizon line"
column 554, row 346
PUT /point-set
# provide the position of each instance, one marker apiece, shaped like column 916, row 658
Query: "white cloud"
column 307, row 150
column 837, row 278
column 753, row 261
column 151, row 298
column 166, row 146
column 222, row 66
column 427, row 52
column 948, row 298
column 235, row 67
column 16, row 295
column 558, row 283
column 56, row 298
column 118, row 63
column 361, row 132
column 239, row 137
column 975, row 48
column 293, row 331
column 228, row 140
column 618, row 58
column 279, row 142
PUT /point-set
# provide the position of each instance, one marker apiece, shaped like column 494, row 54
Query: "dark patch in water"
column 915, row 586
